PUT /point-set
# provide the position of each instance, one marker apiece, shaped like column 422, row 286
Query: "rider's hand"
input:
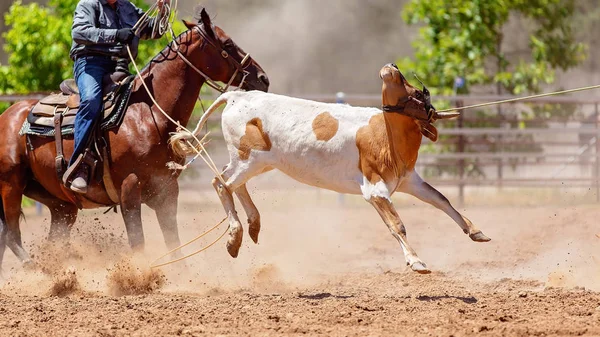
column 125, row 35
column 161, row 3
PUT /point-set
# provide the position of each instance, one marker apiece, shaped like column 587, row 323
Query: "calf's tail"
column 180, row 141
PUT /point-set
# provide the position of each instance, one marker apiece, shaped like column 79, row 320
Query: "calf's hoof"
column 234, row 243
column 233, row 249
column 420, row 268
column 479, row 237
column 253, row 230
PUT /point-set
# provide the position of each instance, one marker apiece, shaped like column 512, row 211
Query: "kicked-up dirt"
column 320, row 268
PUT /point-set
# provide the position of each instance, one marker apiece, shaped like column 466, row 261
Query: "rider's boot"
column 79, row 183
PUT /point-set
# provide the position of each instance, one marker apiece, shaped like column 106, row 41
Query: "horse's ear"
column 205, row 20
column 188, row 24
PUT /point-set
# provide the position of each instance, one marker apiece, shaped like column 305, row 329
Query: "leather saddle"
column 54, row 116
column 66, row 104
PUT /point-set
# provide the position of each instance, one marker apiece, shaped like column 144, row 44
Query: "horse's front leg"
column 131, row 207
column 165, row 206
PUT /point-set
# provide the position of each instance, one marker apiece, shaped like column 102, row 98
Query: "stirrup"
column 85, row 158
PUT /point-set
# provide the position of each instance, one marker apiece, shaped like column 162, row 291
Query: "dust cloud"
column 309, row 238
column 313, row 46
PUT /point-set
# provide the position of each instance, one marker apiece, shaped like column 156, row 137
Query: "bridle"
column 425, row 111
column 240, row 67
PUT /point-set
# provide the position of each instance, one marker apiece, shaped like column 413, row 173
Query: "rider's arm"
column 84, row 29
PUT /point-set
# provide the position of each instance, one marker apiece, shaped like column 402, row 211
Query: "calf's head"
column 399, row 96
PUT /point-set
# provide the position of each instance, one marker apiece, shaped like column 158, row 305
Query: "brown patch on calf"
column 254, row 139
column 387, row 147
column 325, row 126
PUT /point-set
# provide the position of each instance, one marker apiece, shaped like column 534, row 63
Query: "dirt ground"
column 320, row 268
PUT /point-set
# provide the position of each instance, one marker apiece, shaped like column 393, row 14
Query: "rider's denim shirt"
column 95, row 26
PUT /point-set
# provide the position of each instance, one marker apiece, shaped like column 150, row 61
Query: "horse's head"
column 400, row 96
column 223, row 60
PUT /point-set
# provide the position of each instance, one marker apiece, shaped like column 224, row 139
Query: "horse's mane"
column 162, row 54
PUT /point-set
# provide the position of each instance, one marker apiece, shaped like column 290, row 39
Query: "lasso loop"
column 165, row 18
column 168, row 15
column 154, row 265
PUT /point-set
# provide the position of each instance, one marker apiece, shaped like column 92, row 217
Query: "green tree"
column 465, row 38
column 468, row 39
column 38, row 43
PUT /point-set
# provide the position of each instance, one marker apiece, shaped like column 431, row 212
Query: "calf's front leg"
column 389, row 215
column 415, row 186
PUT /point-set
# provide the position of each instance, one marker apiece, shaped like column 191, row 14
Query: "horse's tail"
column 180, row 141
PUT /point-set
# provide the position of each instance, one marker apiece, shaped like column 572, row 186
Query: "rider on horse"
column 101, row 31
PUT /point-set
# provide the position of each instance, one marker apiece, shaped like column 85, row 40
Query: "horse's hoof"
column 479, row 237
column 29, row 265
column 420, row 268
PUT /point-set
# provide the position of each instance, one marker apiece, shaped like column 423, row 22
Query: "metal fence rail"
column 545, row 142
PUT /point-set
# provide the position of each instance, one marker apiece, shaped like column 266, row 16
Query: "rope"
column 170, row 10
column 521, row 98
column 210, row 165
column 153, row 265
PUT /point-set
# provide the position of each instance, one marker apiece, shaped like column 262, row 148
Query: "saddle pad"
column 40, row 120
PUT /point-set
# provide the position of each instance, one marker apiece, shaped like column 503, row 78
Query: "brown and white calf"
column 333, row 146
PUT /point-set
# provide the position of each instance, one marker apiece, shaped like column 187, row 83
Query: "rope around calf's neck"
column 517, row 99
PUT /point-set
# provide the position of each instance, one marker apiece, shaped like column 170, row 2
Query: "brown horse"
column 139, row 146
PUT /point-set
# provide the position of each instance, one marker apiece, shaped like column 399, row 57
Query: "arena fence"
column 545, row 142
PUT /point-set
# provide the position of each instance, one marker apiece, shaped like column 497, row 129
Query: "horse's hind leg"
column 62, row 214
column 12, row 195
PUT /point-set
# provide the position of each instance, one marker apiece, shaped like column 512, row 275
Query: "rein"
column 239, row 66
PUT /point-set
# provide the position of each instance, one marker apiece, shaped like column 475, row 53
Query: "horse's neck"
column 174, row 87
column 404, row 139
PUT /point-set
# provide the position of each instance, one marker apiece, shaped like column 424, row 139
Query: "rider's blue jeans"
column 89, row 72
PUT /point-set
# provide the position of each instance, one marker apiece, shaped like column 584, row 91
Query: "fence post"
column 597, row 159
column 461, row 161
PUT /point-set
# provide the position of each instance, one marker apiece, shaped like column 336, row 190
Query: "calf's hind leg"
column 235, row 176
column 387, row 212
column 251, row 212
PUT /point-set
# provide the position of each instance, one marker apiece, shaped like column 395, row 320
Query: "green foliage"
column 38, row 43
column 465, row 37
